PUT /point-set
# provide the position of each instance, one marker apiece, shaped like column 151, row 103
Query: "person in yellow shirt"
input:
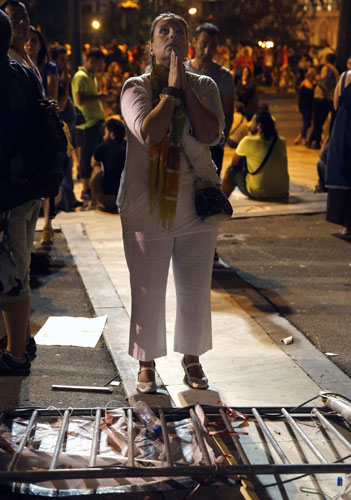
column 259, row 165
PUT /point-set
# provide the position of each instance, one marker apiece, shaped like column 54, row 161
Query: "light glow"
column 192, row 11
column 268, row 44
column 95, row 24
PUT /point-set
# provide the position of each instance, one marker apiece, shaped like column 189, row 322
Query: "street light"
column 192, row 11
column 96, row 25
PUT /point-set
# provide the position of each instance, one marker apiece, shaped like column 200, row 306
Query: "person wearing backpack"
column 19, row 208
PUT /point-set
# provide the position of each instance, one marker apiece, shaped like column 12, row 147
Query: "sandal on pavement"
column 146, row 387
column 194, row 382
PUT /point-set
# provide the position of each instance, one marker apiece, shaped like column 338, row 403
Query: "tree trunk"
column 74, row 31
column 343, row 50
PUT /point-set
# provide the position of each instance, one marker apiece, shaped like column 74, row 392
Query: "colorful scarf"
column 164, row 157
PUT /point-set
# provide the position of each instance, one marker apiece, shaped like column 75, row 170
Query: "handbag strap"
column 266, row 157
column 188, row 162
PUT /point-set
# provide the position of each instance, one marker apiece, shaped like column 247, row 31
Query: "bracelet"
column 177, row 101
column 174, row 92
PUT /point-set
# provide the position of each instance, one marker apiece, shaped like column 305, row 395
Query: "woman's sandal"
column 194, row 382
column 146, row 387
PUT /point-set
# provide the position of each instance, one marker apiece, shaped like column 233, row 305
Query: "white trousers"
column 148, row 262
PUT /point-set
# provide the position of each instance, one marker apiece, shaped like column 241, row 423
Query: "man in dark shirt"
column 19, row 90
column 205, row 43
column 109, row 163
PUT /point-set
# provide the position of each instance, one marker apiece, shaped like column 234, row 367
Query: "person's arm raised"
column 156, row 124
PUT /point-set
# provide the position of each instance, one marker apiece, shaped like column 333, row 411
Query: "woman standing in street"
column 169, row 114
column 338, row 171
column 246, row 92
column 37, row 50
column 306, row 91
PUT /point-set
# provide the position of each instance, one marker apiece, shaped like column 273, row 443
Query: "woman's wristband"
column 177, row 100
column 173, row 91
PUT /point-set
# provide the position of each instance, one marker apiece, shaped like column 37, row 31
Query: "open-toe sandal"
column 194, row 382
column 146, row 387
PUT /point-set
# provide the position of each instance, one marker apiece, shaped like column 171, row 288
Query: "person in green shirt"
column 265, row 172
column 88, row 100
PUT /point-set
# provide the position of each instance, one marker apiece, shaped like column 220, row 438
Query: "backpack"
column 42, row 148
column 38, row 162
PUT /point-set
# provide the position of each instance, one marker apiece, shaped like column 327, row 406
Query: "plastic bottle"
column 337, row 404
column 147, row 417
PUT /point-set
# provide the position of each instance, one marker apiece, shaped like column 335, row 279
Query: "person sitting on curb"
column 264, row 174
column 108, row 164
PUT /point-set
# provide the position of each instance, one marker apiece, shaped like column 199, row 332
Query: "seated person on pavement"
column 259, row 165
column 108, row 165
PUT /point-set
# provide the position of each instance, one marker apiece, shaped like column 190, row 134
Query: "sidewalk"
column 248, row 365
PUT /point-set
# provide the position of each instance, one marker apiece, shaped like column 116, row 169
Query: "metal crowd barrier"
column 276, row 444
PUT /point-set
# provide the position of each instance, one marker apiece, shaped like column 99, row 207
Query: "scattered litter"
column 115, row 383
column 287, row 340
column 71, row 331
column 80, row 388
column 331, row 354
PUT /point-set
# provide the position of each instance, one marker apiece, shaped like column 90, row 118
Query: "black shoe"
column 85, row 195
column 9, row 367
column 216, row 256
column 31, row 346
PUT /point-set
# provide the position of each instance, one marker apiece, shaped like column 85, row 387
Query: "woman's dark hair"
column 43, row 54
column 13, row 3
column 268, row 129
column 166, row 15
column 116, row 127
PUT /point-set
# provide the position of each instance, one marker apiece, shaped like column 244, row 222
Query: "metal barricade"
column 257, row 450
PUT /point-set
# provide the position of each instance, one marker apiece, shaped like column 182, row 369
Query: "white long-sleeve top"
column 133, row 195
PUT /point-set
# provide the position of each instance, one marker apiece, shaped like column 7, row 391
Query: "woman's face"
column 169, row 35
column 32, row 46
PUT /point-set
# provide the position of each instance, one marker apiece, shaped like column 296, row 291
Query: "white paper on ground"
column 67, row 330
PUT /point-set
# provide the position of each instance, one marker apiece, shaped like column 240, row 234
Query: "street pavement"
column 249, row 365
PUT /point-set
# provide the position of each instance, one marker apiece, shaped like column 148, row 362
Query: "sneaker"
column 47, row 236
column 10, row 367
column 31, row 346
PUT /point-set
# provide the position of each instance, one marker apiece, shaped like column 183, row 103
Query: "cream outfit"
column 149, row 247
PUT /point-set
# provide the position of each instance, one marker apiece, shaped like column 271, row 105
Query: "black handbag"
column 211, row 204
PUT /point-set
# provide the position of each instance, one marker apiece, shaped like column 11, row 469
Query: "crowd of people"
column 175, row 111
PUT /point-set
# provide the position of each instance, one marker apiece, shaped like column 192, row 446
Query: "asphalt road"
column 300, row 264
